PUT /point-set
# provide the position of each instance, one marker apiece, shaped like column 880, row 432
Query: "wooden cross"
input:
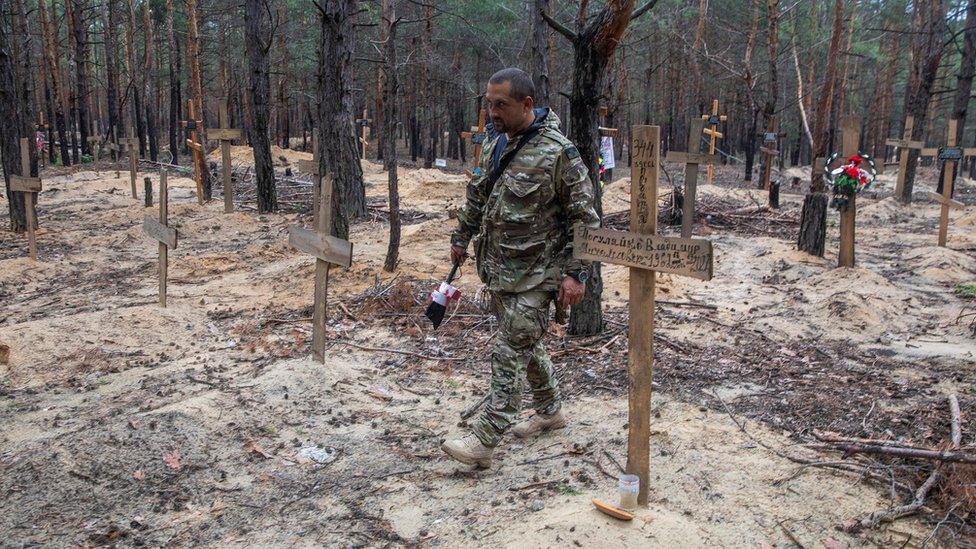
column 477, row 137
column 29, row 186
column 193, row 125
column 605, row 131
column 328, row 250
column 850, row 137
column 226, row 134
column 691, row 159
column 951, row 155
column 131, row 144
column 769, row 151
column 163, row 233
column 364, row 125
column 93, row 144
column 712, row 122
column 645, row 253
column 113, row 147
column 905, row 145
column 312, row 167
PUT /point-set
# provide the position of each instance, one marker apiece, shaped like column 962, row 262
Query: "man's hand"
column 458, row 255
column 571, row 291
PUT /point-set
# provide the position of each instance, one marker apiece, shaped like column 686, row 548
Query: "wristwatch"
column 581, row 276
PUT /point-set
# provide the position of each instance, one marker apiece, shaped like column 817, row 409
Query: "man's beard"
column 499, row 125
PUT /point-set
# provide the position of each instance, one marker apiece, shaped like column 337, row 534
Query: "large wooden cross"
column 364, row 129
column 477, row 137
column 328, row 250
column 645, row 254
column 905, row 146
column 691, row 159
column 226, row 134
column 131, row 146
column 711, row 130
column 312, row 167
column 193, row 125
column 951, row 155
column 163, row 233
column 29, row 186
column 850, row 137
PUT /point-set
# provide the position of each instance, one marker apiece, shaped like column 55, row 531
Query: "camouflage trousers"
column 522, row 321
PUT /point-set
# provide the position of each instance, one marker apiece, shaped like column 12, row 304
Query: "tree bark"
column 196, row 91
column 930, row 30
column 813, row 219
column 338, row 147
column 258, row 40
column 391, row 86
column 173, row 57
column 149, row 85
column 12, row 105
column 51, row 58
column 109, row 22
column 428, row 132
column 283, row 127
column 964, row 80
column 136, row 78
column 81, row 70
column 594, row 44
column 540, row 50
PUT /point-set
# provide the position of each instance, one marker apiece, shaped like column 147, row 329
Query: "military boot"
column 538, row 424
column 469, row 450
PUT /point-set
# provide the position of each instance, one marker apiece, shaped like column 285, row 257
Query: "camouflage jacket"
column 524, row 224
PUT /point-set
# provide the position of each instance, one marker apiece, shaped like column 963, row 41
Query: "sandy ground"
column 130, row 424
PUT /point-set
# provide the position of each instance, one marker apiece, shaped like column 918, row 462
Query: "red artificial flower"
column 852, row 172
column 856, row 160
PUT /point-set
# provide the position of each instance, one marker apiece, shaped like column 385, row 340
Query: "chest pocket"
column 526, row 192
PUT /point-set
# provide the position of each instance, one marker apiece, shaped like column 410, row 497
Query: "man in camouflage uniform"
column 523, row 224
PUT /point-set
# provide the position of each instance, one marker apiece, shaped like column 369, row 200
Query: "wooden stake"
column 905, row 146
column 364, row 125
column 477, row 137
column 769, row 151
column 691, row 159
column 163, row 233
column 947, row 179
column 226, row 134
column 193, row 125
column 851, row 137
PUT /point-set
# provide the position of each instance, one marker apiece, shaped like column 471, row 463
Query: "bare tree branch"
column 559, row 27
column 643, row 9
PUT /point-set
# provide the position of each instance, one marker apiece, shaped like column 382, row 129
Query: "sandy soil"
column 130, row 424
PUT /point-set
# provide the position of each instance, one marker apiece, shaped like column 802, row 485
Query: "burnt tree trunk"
column 813, row 219
column 338, row 147
column 391, row 86
column 258, row 42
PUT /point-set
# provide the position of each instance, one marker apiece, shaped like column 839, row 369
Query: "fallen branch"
column 934, row 455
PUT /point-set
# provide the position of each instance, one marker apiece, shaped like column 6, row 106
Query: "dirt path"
column 129, row 424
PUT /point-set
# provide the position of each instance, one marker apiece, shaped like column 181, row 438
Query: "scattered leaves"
column 172, row 460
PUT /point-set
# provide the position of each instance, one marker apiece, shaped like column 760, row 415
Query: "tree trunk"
column 173, row 57
column 428, row 135
column 110, row 22
column 392, row 85
column 813, row 219
column 593, row 47
column 196, row 91
column 257, row 30
column 136, row 78
column 927, row 54
column 51, row 58
column 149, row 85
column 749, row 83
column 282, row 125
column 81, row 67
column 10, row 110
column 964, row 80
column 540, row 50
column 338, row 147
column 769, row 108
